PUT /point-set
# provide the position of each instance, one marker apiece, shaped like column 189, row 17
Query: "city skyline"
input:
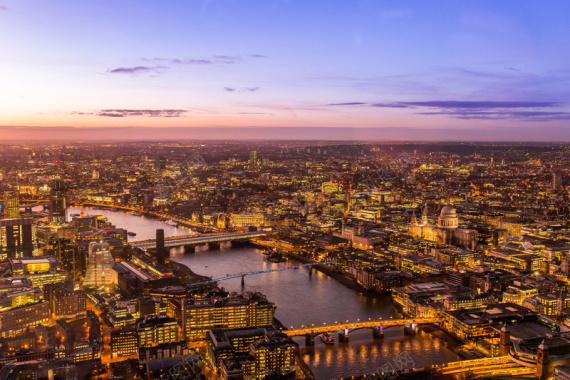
column 432, row 71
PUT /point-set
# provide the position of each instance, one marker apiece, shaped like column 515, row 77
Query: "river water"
column 145, row 227
column 303, row 299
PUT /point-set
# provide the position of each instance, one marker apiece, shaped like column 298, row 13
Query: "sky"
column 244, row 69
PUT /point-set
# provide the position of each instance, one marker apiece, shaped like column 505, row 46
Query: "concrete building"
column 100, row 266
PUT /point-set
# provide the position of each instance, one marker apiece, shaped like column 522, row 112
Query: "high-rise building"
column 253, row 158
column 57, row 202
column 16, row 238
column 160, row 249
column 100, row 263
column 245, row 310
column 11, row 205
column 556, row 181
column 161, row 164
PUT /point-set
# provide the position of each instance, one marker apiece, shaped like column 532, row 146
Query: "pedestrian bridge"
column 178, row 241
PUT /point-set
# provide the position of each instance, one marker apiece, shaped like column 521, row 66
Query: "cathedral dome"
column 447, row 210
column 448, row 217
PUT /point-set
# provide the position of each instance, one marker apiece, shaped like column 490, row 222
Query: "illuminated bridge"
column 242, row 275
column 189, row 240
column 343, row 329
column 487, row 368
column 484, row 367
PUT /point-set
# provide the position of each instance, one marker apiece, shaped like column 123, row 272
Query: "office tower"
column 95, row 174
column 57, row 202
column 11, row 205
column 253, row 158
column 556, row 181
column 100, row 266
column 161, row 164
column 16, row 239
column 245, row 310
column 72, row 256
column 160, row 250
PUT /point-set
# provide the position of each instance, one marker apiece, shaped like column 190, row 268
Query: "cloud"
column 469, row 104
column 3, row 8
column 347, row 104
column 242, row 89
column 389, row 105
column 129, row 112
column 81, row 113
column 134, row 70
column 502, row 115
column 217, row 59
column 167, row 63
column 478, row 109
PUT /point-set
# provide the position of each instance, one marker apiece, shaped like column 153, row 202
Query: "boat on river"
column 327, row 338
column 275, row 258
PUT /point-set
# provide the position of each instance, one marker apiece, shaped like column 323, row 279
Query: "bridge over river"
column 193, row 240
column 343, row 329
column 484, row 368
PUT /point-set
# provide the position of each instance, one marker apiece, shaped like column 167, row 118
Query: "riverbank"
column 340, row 277
column 184, row 273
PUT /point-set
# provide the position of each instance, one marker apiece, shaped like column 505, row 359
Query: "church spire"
column 414, row 221
column 425, row 215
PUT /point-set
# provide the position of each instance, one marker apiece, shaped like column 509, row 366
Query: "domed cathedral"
column 446, row 231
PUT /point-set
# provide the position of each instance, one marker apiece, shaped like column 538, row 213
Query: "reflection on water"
column 304, row 299
column 145, row 227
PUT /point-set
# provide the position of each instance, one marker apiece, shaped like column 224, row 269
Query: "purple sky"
column 427, row 70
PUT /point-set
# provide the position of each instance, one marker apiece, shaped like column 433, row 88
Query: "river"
column 145, row 227
column 303, row 299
